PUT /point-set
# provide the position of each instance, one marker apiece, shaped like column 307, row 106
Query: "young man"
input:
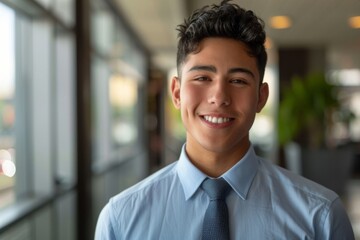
column 219, row 89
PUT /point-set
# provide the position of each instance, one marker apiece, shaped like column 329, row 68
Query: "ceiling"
column 315, row 22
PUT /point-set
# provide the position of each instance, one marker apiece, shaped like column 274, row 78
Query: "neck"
column 215, row 164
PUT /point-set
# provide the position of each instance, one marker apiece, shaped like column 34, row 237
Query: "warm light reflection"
column 123, row 95
column 124, row 132
column 354, row 22
column 280, row 22
column 122, row 91
column 268, row 43
column 263, row 127
column 346, row 77
column 7, row 166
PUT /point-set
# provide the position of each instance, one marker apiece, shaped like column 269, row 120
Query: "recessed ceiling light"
column 354, row 22
column 280, row 22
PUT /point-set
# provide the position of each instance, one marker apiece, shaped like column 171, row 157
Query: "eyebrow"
column 211, row 68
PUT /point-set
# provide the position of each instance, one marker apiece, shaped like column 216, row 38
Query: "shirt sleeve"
column 337, row 224
column 104, row 227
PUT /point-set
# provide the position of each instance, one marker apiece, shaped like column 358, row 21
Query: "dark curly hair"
column 225, row 20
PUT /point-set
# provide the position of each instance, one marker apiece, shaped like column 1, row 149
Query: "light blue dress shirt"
column 267, row 202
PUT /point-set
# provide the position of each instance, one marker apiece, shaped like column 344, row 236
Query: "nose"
column 219, row 95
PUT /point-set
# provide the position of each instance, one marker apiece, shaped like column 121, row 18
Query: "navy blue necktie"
column 216, row 221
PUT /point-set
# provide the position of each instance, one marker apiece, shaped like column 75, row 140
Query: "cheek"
column 190, row 96
column 247, row 101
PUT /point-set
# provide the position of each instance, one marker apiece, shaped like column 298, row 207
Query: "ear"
column 263, row 96
column 175, row 91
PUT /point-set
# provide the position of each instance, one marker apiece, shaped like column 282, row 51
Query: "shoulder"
column 161, row 177
column 297, row 201
column 104, row 226
column 123, row 209
column 284, row 180
column 144, row 190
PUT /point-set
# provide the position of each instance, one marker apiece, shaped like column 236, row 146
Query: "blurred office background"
column 85, row 110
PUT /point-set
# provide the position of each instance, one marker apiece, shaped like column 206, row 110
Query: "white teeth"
column 216, row 119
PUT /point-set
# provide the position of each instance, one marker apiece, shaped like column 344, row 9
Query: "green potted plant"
column 305, row 118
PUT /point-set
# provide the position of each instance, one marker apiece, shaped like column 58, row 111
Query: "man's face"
column 218, row 96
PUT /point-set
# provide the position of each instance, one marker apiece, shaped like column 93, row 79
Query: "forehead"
column 223, row 53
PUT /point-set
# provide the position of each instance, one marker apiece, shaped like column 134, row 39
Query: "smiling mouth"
column 217, row 120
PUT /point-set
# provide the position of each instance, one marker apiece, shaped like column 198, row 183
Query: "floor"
column 352, row 203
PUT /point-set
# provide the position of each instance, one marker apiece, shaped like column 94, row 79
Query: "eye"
column 239, row 81
column 202, row 78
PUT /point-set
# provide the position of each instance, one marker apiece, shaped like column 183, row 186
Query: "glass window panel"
column 129, row 72
column 100, row 110
column 118, row 74
column 344, row 72
column 103, row 31
column 23, row 69
column 42, row 106
column 65, row 105
column 123, row 100
column 65, row 10
column 7, row 106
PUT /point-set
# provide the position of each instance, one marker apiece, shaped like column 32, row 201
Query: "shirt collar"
column 190, row 177
column 240, row 176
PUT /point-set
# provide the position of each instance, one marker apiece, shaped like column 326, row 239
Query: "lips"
column 216, row 119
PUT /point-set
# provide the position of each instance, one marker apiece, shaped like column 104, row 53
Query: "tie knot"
column 216, row 188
